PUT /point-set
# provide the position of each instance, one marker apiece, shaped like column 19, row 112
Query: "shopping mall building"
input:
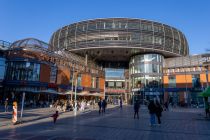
column 115, row 57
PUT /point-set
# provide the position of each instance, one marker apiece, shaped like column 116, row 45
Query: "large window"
column 97, row 82
column 2, row 68
column 196, row 81
column 53, row 74
column 93, row 82
column 111, row 72
column 79, row 80
column 26, row 71
column 172, row 81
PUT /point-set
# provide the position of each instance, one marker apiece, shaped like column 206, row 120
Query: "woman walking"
column 152, row 111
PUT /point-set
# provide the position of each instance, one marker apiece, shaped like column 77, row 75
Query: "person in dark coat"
column 158, row 113
column 99, row 106
column 136, row 109
column 166, row 106
column 152, row 111
column 104, row 106
column 120, row 103
column 6, row 105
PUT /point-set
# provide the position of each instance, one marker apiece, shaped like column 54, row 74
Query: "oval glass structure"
column 132, row 36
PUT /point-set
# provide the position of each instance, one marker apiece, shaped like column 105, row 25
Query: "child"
column 55, row 116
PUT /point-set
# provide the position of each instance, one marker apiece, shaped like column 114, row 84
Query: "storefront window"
column 196, row 81
column 172, row 81
column 27, row 71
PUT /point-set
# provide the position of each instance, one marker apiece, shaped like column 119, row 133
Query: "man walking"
column 120, row 103
column 99, row 106
column 104, row 106
column 136, row 109
column 6, row 105
column 152, row 111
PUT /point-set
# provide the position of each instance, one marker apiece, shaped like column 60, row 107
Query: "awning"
column 50, row 91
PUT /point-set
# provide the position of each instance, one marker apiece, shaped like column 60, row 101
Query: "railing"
column 4, row 44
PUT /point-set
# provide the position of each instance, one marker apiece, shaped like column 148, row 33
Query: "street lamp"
column 75, row 99
column 186, row 83
column 207, row 81
column 72, row 81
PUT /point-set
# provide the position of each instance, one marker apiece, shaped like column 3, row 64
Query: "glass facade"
column 79, row 80
column 196, row 81
column 112, row 72
column 146, row 71
column 2, row 68
column 21, row 70
column 53, row 74
column 120, row 31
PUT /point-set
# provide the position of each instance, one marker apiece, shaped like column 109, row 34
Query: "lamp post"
column 72, row 81
column 207, row 81
column 104, row 90
column 186, row 96
column 75, row 99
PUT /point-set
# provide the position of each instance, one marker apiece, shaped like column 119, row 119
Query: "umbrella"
column 205, row 93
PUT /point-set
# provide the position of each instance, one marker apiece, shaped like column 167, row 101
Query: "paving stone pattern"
column 115, row 124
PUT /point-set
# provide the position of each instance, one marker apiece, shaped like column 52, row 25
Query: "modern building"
column 122, row 45
column 129, row 58
column 3, row 47
column 43, row 74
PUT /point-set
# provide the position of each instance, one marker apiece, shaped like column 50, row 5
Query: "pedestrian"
column 104, row 106
column 206, row 106
column 55, row 117
column 136, row 109
column 158, row 111
column 120, row 103
column 152, row 109
column 99, row 106
column 14, row 113
column 166, row 106
column 6, row 102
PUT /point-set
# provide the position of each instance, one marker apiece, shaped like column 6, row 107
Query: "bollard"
column 14, row 114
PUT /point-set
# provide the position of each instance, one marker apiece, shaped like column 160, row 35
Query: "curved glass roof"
column 29, row 43
column 35, row 45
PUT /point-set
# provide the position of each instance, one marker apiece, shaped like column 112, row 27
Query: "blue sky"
column 40, row 18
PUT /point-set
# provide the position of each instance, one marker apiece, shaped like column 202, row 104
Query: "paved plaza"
column 116, row 124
